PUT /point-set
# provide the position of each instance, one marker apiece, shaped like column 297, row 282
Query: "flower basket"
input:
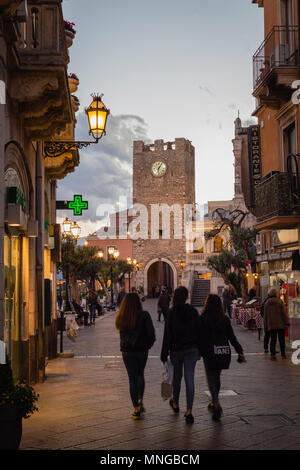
column 10, row 427
column 73, row 82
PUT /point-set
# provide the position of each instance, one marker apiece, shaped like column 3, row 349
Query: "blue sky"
column 167, row 69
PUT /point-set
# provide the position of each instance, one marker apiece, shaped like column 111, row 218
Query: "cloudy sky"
column 167, row 69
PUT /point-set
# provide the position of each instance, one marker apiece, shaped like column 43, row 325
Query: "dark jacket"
column 163, row 302
column 216, row 336
column 182, row 330
column 275, row 316
column 141, row 338
column 120, row 297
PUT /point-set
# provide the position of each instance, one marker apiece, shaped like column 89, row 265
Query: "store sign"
column 254, row 154
column 77, row 205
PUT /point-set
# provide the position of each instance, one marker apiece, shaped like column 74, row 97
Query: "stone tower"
column 163, row 174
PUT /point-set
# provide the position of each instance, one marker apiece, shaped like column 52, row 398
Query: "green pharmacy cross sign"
column 78, row 205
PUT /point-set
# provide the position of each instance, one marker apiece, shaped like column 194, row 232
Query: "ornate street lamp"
column 100, row 253
column 97, row 114
column 114, row 254
column 129, row 262
column 66, row 225
column 75, row 231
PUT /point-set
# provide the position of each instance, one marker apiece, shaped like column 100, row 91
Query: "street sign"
column 77, row 205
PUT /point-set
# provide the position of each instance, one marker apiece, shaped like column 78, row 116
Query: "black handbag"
column 221, row 352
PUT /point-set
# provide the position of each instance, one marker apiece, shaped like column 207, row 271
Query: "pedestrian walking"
column 226, row 297
column 215, row 334
column 267, row 335
column 121, row 296
column 276, row 321
column 59, row 300
column 137, row 336
column 181, row 343
column 92, row 301
column 163, row 304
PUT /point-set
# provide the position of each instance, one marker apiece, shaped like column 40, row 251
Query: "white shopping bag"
column 167, row 380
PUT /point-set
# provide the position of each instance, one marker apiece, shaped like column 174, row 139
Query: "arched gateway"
column 159, row 272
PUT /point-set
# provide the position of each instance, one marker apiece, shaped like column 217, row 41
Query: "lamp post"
column 97, row 114
column 129, row 262
column 113, row 254
column 71, row 233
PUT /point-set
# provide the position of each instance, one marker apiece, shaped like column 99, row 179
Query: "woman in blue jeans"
column 181, row 342
column 137, row 336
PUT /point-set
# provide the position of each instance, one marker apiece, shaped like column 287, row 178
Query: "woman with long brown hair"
column 181, row 343
column 137, row 336
column 216, row 332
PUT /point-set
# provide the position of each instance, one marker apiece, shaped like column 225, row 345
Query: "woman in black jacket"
column 215, row 332
column 181, row 341
column 137, row 336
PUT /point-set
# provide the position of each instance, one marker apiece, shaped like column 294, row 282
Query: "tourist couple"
column 187, row 337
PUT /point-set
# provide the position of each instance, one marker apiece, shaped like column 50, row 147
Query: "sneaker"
column 171, row 403
column 189, row 418
column 142, row 408
column 283, row 356
column 136, row 415
column 210, row 406
column 266, row 351
column 217, row 414
column 273, row 358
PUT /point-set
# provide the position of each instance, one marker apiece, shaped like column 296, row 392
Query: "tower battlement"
column 160, row 145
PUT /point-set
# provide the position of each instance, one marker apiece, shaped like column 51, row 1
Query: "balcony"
column 277, row 203
column 39, row 84
column 275, row 66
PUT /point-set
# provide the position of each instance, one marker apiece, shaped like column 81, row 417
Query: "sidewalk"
column 85, row 403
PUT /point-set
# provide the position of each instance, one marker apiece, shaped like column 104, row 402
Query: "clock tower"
column 163, row 176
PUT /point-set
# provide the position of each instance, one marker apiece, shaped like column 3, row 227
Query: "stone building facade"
column 163, row 173
column 36, row 106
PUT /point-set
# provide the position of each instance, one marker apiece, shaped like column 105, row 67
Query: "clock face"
column 159, row 168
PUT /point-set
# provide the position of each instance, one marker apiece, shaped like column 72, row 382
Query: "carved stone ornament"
column 32, row 86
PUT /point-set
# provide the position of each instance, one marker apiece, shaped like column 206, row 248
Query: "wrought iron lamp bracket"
column 56, row 149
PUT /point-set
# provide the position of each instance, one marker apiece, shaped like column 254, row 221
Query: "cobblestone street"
column 85, row 404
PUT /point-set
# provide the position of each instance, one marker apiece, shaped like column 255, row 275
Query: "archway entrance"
column 159, row 274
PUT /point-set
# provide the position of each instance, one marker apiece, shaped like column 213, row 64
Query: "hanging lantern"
column 97, row 114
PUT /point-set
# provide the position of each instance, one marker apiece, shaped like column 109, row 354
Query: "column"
column 40, row 261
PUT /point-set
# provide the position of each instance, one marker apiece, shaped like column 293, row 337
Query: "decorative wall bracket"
column 58, row 148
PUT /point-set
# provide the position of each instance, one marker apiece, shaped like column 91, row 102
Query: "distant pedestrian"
column 121, row 296
column 215, row 334
column 267, row 334
column 226, row 298
column 181, row 343
column 163, row 304
column 137, row 336
column 59, row 300
column 92, row 301
column 276, row 321
column 157, row 292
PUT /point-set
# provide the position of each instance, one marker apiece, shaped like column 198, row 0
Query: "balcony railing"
column 275, row 197
column 277, row 50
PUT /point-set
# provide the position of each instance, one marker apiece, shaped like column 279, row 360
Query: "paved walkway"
column 85, row 403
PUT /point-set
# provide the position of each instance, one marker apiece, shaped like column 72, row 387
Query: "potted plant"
column 17, row 401
column 70, row 32
column 73, row 82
